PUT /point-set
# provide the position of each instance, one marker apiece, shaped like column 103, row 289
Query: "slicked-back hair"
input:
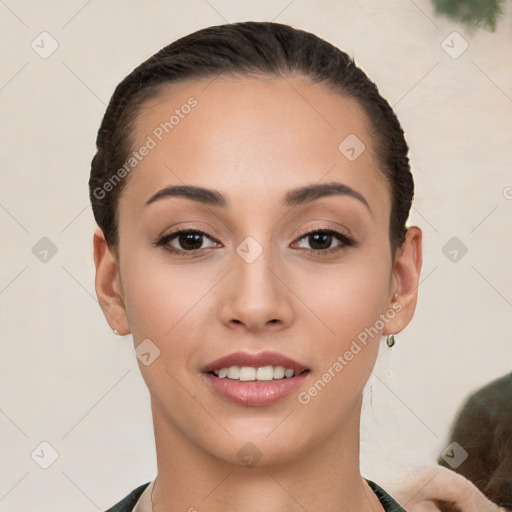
column 247, row 48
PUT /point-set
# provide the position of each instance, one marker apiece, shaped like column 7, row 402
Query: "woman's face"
column 253, row 281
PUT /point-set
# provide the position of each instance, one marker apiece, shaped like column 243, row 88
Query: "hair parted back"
column 246, row 48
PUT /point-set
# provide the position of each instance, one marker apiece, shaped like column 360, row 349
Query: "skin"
column 254, row 139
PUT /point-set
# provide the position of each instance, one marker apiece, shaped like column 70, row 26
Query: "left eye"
column 321, row 240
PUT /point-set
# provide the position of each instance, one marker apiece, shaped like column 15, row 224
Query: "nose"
column 257, row 296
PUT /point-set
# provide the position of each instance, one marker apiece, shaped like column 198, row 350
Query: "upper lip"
column 255, row 360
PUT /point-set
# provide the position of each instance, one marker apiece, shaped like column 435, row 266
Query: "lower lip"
column 255, row 393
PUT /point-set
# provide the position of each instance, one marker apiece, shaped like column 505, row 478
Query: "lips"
column 255, row 360
column 255, row 392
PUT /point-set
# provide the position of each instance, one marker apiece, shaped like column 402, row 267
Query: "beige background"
column 66, row 380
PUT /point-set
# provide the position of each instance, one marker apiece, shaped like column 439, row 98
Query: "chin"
column 257, row 449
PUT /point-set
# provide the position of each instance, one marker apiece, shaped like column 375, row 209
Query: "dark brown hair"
column 248, row 48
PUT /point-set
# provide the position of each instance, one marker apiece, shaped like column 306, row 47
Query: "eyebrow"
column 292, row 198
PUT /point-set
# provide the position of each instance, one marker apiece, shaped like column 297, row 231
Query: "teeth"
column 288, row 373
column 265, row 373
column 245, row 373
column 278, row 372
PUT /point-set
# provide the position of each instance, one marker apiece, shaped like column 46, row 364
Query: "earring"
column 390, row 340
column 115, row 332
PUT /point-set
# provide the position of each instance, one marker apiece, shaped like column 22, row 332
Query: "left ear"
column 406, row 274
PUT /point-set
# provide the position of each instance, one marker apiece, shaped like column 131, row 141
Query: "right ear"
column 108, row 285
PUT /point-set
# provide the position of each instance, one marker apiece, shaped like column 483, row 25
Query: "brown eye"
column 321, row 241
column 185, row 240
column 190, row 241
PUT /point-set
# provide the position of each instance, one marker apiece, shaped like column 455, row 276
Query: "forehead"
column 254, row 135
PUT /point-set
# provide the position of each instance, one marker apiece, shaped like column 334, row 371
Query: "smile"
column 255, row 379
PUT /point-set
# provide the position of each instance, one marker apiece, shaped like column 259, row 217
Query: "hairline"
column 147, row 96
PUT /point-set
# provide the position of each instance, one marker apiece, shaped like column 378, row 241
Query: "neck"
column 323, row 478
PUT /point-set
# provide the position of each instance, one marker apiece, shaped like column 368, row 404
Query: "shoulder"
column 389, row 504
column 128, row 502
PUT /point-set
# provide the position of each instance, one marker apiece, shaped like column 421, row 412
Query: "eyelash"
column 345, row 240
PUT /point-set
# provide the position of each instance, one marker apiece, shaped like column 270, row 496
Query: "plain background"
column 68, row 381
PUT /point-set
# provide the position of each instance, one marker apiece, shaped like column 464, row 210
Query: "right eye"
column 184, row 241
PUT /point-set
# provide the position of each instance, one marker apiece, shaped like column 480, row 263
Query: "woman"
column 251, row 189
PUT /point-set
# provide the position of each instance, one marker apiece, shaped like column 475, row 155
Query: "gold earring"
column 390, row 340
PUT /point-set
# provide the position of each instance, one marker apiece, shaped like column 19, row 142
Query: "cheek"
column 351, row 305
column 350, row 308
column 169, row 307
column 348, row 298
column 160, row 298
